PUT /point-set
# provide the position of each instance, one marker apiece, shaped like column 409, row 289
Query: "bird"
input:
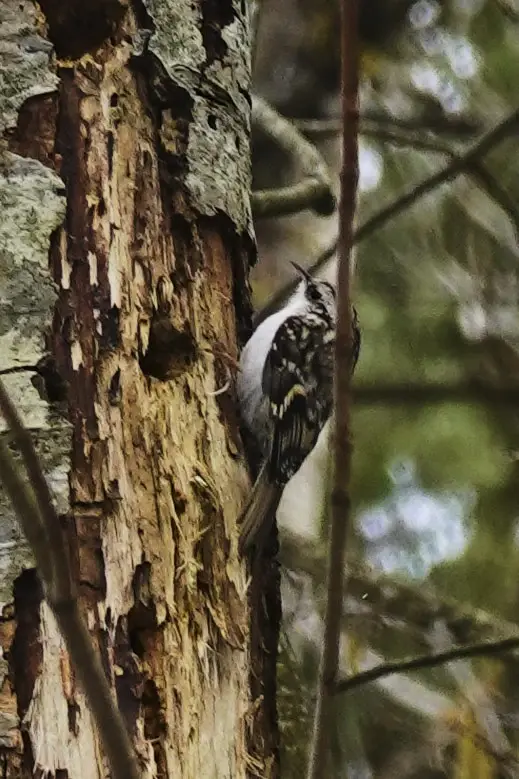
column 285, row 392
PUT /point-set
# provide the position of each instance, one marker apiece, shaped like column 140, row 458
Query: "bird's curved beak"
column 302, row 272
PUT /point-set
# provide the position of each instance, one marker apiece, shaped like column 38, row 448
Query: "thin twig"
column 315, row 191
column 450, row 171
column 398, row 136
column 372, row 122
column 486, row 649
column 454, row 168
column 110, row 725
column 390, row 600
column 340, row 501
column 26, row 509
column 411, row 393
column 456, row 127
column 423, row 141
column 39, row 521
column 407, row 139
column 57, row 577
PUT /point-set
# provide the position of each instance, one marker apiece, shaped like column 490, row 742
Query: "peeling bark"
column 125, row 241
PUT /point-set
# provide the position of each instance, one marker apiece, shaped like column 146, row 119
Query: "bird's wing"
column 291, row 391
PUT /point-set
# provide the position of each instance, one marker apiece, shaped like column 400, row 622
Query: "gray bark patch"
column 218, row 83
column 25, row 59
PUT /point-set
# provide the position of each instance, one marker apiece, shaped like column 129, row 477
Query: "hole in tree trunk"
column 170, row 353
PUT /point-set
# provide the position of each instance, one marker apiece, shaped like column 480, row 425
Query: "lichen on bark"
column 33, row 206
column 213, row 69
column 24, row 59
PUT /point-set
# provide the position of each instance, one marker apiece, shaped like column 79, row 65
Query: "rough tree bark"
column 125, row 238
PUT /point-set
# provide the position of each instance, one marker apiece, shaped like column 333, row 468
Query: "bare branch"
column 340, row 500
column 454, row 168
column 420, row 139
column 374, row 121
column 486, row 649
column 26, row 509
column 461, row 164
column 110, row 725
column 406, row 394
column 33, row 504
column 56, row 573
column 388, row 598
column 315, row 191
column 408, row 138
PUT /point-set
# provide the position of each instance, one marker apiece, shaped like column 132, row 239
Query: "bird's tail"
column 260, row 510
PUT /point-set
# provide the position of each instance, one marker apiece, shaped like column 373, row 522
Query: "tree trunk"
column 125, row 239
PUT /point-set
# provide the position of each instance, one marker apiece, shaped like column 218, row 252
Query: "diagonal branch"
column 486, row 649
column 455, row 167
column 56, row 572
column 389, row 599
column 424, row 141
column 315, row 191
column 33, row 505
column 26, row 509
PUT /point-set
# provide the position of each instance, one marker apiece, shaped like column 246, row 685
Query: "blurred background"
column 433, row 559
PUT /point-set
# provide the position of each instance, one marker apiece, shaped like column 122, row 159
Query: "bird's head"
column 319, row 296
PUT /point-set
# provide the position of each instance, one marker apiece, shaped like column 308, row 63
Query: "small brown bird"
column 285, row 392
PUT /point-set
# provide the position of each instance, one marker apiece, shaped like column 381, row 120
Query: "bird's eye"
column 312, row 292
